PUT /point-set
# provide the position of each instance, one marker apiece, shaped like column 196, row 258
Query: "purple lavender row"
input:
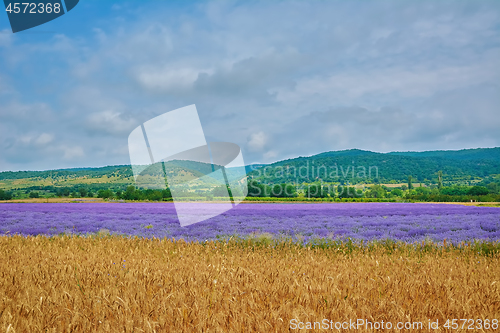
column 366, row 221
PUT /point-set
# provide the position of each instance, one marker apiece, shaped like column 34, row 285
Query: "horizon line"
column 270, row 163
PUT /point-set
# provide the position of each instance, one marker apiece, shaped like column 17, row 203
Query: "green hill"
column 353, row 166
column 479, row 154
column 358, row 166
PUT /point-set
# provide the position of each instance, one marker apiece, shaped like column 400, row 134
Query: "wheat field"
column 113, row 284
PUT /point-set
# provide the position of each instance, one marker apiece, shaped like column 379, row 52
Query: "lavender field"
column 363, row 221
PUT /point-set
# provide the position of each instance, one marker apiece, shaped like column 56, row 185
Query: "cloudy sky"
column 279, row 78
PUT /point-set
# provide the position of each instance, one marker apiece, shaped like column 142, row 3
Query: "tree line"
column 486, row 191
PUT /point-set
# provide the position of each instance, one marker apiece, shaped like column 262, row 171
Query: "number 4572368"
column 33, row 8
column 471, row 324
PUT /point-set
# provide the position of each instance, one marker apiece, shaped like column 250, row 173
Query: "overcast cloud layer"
column 280, row 79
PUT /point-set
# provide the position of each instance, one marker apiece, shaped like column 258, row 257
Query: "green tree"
column 477, row 190
column 410, row 185
column 493, row 188
column 166, row 194
column 440, row 179
column 130, row 193
column 283, row 191
column 397, row 192
column 105, row 194
column 376, row 191
column 153, row 195
column 5, row 195
column 315, row 190
column 256, row 189
column 83, row 192
column 34, row 194
column 277, row 191
column 454, row 190
column 348, row 192
column 63, row 192
column 422, row 190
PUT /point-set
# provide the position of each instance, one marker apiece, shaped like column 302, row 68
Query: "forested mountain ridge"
column 353, row 166
column 115, row 170
column 464, row 154
column 357, row 166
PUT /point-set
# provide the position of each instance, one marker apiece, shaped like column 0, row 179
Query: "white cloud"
column 168, row 78
column 257, row 141
column 44, row 139
column 348, row 87
column 73, row 153
column 110, row 122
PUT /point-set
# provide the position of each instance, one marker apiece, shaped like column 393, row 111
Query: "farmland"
column 114, row 284
column 126, row 267
column 299, row 222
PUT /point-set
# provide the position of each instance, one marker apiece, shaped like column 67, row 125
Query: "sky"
column 279, row 78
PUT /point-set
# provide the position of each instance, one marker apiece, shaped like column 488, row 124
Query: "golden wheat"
column 112, row 284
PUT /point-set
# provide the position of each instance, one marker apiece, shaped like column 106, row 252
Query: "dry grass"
column 53, row 200
column 111, row 284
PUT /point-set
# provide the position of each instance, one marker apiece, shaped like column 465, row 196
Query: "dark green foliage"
column 397, row 192
column 410, row 184
column 283, row 191
column 376, row 191
column 83, row 192
column 422, row 190
column 166, row 194
column 105, row 194
column 493, row 188
column 34, row 195
column 347, row 192
column 131, row 193
column 454, row 190
column 316, row 190
column 255, row 189
column 63, row 192
column 5, row 195
column 478, row 190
